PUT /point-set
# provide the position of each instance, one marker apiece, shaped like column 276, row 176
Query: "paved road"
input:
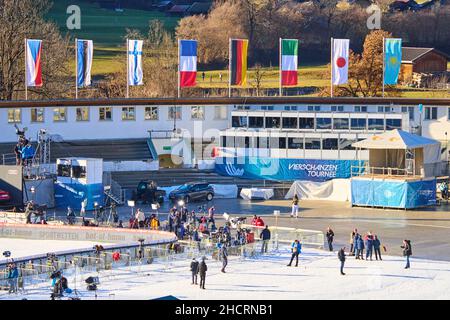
column 429, row 229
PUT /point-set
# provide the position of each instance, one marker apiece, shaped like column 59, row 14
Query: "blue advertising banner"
column 285, row 169
column 74, row 193
column 393, row 194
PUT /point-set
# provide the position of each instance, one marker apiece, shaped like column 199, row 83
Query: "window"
column 242, row 107
column 238, row 122
column 409, row 110
column 151, row 113
column 263, row 142
column 295, row 143
column 59, row 114
column 83, row 114
column 37, row 114
column 380, row 109
column 224, row 141
column 346, row 144
column 128, row 113
column 337, row 108
column 312, row 143
column 64, row 170
column 306, row 123
column 255, row 122
column 14, row 115
column 198, row 113
column 313, row 108
column 448, row 114
column 277, row 143
column 392, row 124
column 174, row 113
column 430, row 113
column 330, row 144
column 340, row 123
column 221, row 112
column 273, row 122
column 105, row 113
column 360, row 108
column 359, row 124
column 323, row 123
column 376, row 124
column 290, row 108
column 290, row 123
column 79, row 172
column 270, row 108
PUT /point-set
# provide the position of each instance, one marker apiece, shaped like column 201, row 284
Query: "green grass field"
column 106, row 27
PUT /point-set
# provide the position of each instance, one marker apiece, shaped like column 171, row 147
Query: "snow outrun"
column 268, row 277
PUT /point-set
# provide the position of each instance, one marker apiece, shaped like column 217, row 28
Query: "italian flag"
column 289, row 62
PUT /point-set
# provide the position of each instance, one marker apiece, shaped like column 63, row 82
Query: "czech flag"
column 392, row 60
column 289, row 62
column 85, row 53
column 238, row 62
column 188, row 62
column 341, row 48
column 33, row 63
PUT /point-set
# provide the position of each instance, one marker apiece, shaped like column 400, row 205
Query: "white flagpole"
column 26, row 78
column 76, row 68
column 229, row 68
column 128, row 68
column 281, row 71
column 178, row 73
column 332, row 63
column 384, row 64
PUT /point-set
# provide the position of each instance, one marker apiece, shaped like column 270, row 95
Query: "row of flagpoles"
column 187, row 63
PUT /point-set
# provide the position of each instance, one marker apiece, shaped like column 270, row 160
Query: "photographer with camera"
column 12, row 275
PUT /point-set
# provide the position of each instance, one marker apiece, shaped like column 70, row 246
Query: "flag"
column 85, row 53
column 188, row 62
column 238, row 62
column 340, row 61
column 33, row 63
column 392, row 60
column 289, row 62
column 135, row 73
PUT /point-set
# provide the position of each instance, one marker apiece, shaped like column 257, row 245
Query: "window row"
column 288, row 143
column 106, row 114
column 316, row 123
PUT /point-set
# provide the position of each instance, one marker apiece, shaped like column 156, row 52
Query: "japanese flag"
column 340, row 61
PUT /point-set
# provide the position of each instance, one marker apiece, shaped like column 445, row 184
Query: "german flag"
column 238, row 62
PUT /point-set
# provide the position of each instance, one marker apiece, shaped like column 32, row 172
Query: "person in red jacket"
column 260, row 222
column 255, row 218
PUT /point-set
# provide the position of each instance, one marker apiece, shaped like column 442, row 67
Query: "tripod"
column 75, row 291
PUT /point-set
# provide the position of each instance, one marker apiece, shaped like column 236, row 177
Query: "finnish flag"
column 135, row 72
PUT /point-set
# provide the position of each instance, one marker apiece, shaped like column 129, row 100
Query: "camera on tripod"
column 7, row 254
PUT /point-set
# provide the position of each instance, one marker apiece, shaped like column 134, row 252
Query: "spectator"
column 120, row 225
column 211, row 213
column 18, row 153
column 70, row 216
column 220, row 76
column 154, row 223
column 255, row 218
column 295, row 201
column 223, row 253
column 140, row 217
column 259, row 222
column 352, row 241
column 12, row 276
column 341, row 256
column 203, row 76
column 330, row 236
column 359, row 247
column 407, row 252
column 83, row 207
column 194, row 270
column 265, row 236
column 29, row 211
column 376, row 247
column 202, row 270
column 296, row 249
column 369, row 246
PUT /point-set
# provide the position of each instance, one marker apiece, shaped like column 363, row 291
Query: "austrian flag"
column 289, row 62
column 33, row 63
column 188, row 63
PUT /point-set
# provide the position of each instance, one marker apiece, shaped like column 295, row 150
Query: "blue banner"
column 393, row 194
column 258, row 168
column 74, row 193
column 392, row 60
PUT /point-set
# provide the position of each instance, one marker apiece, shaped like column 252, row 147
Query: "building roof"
column 410, row 54
column 200, row 7
column 395, row 139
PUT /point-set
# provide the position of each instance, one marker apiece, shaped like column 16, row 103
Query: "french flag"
column 188, row 63
column 33, row 64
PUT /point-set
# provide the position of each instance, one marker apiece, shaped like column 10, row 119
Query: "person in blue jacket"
column 376, row 247
column 369, row 246
column 12, row 276
column 359, row 248
column 296, row 249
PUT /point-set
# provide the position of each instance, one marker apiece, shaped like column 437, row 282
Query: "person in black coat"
column 265, row 237
column 223, row 252
column 341, row 256
column 407, row 252
column 376, row 247
column 202, row 270
column 194, row 270
column 330, row 236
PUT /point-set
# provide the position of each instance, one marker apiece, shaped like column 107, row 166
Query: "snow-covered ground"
column 268, row 277
column 20, row 248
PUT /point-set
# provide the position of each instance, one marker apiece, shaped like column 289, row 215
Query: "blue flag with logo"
column 392, row 60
